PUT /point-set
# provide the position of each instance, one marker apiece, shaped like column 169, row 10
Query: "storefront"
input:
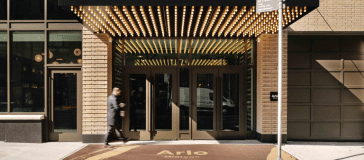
column 188, row 70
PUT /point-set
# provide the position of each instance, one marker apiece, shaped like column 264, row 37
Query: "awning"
column 187, row 18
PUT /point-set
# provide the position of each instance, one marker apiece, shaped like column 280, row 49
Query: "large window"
column 3, row 72
column 55, row 12
column 27, row 72
column 27, row 9
column 64, row 47
column 3, row 9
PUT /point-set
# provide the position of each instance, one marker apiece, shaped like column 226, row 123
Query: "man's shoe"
column 108, row 146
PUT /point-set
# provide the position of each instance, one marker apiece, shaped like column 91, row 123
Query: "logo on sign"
column 182, row 154
column 273, row 96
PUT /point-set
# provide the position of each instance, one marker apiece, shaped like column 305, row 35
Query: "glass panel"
column 3, row 72
column 27, row 72
column 3, row 9
column 217, row 52
column 65, row 102
column 184, row 52
column 27, row 10
column 150, row 52
column 250, row 100
column 184, row 99
column 163, row 102
column 137, row 92
column 56, row 12
column 230, row 102
column 250, row 54
column 64, row 47
column 205, row 101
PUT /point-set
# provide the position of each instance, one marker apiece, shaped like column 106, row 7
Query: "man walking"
column 113, row 114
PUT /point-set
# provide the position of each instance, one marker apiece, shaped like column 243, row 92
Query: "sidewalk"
column 299, row 150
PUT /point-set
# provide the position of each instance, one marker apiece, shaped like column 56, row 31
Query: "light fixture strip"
column 168, row 21
column 225, row 46
column 190, row 21
column 186, row 44
column 105, row 21
column 159, row 10
column 122, row 18
column 236, row 19
column 209, row 10
column 154, row 22
column 226, row 50
column 139, row 21
column 236, row 48
column 183, row 20
column 233, row 47
column 116, row 20
column 144, row 15
column 175, row 20
column 127, row 44
column 213, row 19
column 165, row 45
column 221, row 19
column 246, row 19
column 197, row 21
column 140, row 46
column 170, row 45
column 156, row 48
column 131, row 20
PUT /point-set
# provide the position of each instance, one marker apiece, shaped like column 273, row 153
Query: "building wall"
column 340, row 16
column 267, row 81
column 97, row 52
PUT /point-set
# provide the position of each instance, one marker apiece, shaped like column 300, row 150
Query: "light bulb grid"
column 139, row 21
column 222, row 16
column 198, row 21
column 209, row 10
column 144, row 15
column 160, row 19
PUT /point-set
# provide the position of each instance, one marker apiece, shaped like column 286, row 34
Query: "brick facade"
column 96, row 69
column 267, row 81
column 340, row 16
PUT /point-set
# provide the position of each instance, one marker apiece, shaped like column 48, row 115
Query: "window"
column 27, row 72
column 3, row 72
column 3, row 9
column 27, row 9
column 55, row 12
column 64, row 47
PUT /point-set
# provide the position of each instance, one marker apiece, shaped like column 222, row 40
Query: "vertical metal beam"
column 46, row 132
column 8, row 55
column 280, row 80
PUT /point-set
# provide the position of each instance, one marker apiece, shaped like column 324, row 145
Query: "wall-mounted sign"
column 266, row 5
column 273, row 96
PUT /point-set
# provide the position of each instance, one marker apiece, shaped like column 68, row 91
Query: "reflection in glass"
column 27, row 9
column 184, row 55
column 150, row 52
column 250, row 58
column 230, row 102
column 163, row 101
column 3, row 72
column 184, row 99
column 205, row 101
column 65, row 102
column 27, row 72
column 64, row 47
column 55, row 12
column 137, row 99
column 217, row 52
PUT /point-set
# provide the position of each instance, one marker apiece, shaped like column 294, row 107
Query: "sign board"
column 266, row 5
column 273, row 96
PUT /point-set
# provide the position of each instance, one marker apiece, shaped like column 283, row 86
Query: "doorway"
column 185, row 103
column 65, row 101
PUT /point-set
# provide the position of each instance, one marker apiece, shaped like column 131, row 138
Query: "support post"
column 279, row 135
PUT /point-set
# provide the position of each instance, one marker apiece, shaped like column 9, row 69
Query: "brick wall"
column 96, row 72
column 267, row 81
column 341, row 15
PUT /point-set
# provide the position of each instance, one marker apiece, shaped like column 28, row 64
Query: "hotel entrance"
column 185, row 103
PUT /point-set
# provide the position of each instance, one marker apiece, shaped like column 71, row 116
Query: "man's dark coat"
column 113, row 110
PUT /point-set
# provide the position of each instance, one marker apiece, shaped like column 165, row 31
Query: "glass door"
column 231, row 104
column 164, row 103
column 204, row 104
column 65, row 105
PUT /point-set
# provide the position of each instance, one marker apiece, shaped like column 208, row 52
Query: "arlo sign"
column 266, row 5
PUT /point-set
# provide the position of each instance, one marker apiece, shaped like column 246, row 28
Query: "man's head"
column 116, row 91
